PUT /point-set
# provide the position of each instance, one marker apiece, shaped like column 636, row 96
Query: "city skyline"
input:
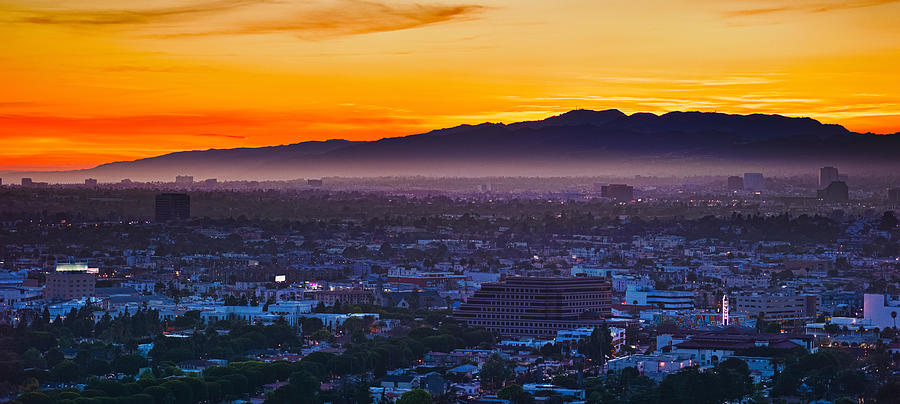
column 95, row 81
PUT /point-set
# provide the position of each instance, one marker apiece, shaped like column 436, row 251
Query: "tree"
column 415, row 396
column 311, row 324
column 889, row 392
column 888, row 221
column 494, row 372
column 65, row 371
column 32, row 359
column 161, row 395
column 129, row 364
column 734, row 377
column 598, row 346
column 306, row 386
column 515, row 394
column 35, row 397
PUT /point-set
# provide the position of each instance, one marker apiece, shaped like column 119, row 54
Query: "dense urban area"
column 743, row 288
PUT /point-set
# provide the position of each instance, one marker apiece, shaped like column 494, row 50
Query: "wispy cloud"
column 76, row 17
column 802, row 6
column 349, row 17
column 221, row 135
column 309, row 19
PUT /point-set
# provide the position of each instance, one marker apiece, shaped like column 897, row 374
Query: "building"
column 619, row 192
column 894, row 195
column 184, row 179
column 344, row 296
column 549, row 389
column 91, row 182
column 664, row 299
column 172, row 207
column 836, row 191
column 538, row 307
column 881, row 310
column 656, row 367
column 784, row 307
column 754, row 182
column 827, row 175
column 574, row 336
column 414, row 277
column 70, row 281
column 314, row 183
column 711, row 347
column 735, row 183
column 27, row 182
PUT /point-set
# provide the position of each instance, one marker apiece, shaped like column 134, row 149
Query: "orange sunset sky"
column 84, row 82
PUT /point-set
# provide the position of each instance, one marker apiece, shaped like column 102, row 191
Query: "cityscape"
column 460, row 290
column 449, row 202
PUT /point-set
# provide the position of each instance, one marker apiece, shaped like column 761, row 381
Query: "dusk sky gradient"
column 84, row 82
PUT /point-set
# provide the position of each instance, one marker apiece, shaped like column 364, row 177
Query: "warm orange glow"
column 91, row 81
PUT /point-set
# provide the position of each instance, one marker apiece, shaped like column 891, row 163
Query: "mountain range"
column 579, row 142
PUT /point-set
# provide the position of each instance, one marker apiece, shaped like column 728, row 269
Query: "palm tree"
column 894, row 316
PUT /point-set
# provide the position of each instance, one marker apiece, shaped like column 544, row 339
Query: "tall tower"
column 827, row 175
column 724, row 309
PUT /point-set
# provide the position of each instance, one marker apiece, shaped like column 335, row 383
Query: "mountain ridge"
column 572, row 142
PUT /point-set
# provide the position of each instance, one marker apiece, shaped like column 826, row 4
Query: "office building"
column 172, row 207
column 91, row 182
column 538, row 307
column 837, row 191
column 27, row 182
column 184, row 179
column 782, row 307
column 664, row 299
column 618, row 192
column 754, row 182
column 344, row 296
column 70, row 281
column 735, row 183
column 314, row 183
column 827, row 175
column 881, row 310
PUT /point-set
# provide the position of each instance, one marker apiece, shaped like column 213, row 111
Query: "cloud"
column 309, row 19
column 799, row 6
column 349, row 17
column 221, row 135
column 76, row 17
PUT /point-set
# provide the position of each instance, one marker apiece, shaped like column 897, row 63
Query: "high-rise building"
column 827, row 175
column 735, row 183
column 27, row 182
column 894, row 195
column 184, row 179
column 172, row 206
column 538, row 307
column 754, row 182
column 70, row 281
column 837, row 191
column 618, row 192
column 91, row 182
